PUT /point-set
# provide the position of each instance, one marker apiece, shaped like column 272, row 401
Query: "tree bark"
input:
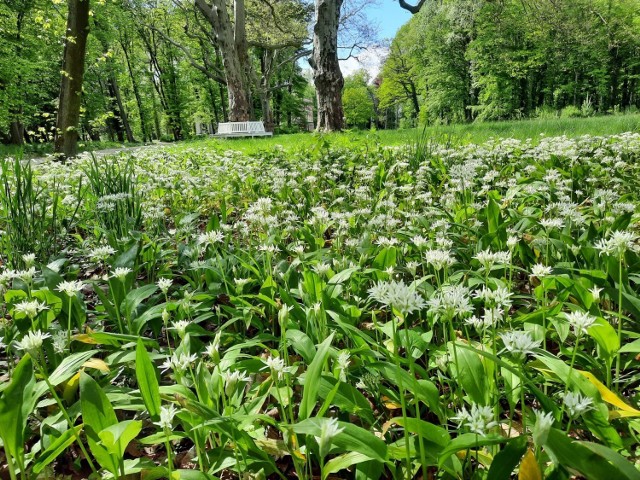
column 16, row 129
column 66, row 142
column 327, row 76
column 136, row 92
column 233, row 49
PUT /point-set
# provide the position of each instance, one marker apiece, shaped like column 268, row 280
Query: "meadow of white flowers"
column 415, row 312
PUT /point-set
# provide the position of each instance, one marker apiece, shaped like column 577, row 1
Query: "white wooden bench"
column 242, row 129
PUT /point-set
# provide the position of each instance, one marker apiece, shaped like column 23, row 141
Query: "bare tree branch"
column 411, row 8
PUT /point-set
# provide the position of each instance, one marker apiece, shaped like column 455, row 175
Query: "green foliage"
column 429, row 309
column 357, row 100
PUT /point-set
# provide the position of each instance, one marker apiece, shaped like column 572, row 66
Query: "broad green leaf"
column 136, row 297
column 116, row 437
column 385, row 259
column 430, row 432
column 606, row 337
column 468, row 441
column 572, row 454
column 624, row 466
column 147, row 381
column 343, row 275
column 507, row 459
column 302, row 344
column 70, row 366
column 342, row 462
column 346, row 397
column 633, row 347
column 97, row 415
column 467, row 369
column 312, row 377
column 16, row 404
column 351, row 439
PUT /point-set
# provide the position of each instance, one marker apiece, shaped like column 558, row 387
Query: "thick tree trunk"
column 233, row 54
column 16, row 133
column 72, row 72
column 327, row 76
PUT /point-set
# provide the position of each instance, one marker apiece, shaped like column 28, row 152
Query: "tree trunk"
column 136, row 92
column 327, row 76
column 16, row 133
column 123, row 113
column 16, row 129
column 233, row 53
column 72, row 72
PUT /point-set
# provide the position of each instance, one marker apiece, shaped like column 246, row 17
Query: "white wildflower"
column 30, row 308
column 540, row 271
column 577, row 404
column 328, row 431
column 580, row 322
column 166, row 417
column 32, row 342
column 164, row 284
column 479, row 420
column 70, row 288
column 519, row 343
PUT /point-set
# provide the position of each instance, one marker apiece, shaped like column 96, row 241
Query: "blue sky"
column 389, row 17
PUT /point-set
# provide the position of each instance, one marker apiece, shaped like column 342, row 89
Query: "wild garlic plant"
column 344, row 311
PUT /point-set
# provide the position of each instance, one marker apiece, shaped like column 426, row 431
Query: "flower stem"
column 618, row 353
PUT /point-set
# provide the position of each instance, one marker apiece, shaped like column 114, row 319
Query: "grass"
column 458, row 134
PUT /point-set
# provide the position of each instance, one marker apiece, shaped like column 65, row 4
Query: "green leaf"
column 572, row 454
column 116, row 437
column 302, row 344
column 624, row 466
column 147, row 381
column 346, row 397
column 468, row 370
column 508, row 458
column 342, row 462
column 312, row 379
column 136, row 297
column 633, row 347
column 16, row 404
column 468, row 441
column 343, row 276
column 70, row 366
column 351, row 439
column 606, row 337
column 56, row 448
column 430, row 432
column 385, row 259
column 97, row 415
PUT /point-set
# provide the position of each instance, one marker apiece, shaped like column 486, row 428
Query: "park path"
column 107, row 151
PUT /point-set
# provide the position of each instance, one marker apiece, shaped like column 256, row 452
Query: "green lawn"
column 456, row 134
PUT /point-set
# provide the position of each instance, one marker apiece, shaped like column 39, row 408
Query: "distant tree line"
column 465, row 60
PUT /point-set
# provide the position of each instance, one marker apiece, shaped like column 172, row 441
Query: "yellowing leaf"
column 529, row 469
column 97, row 364
column 71, row 387
column 612, row 399
column 84, row 338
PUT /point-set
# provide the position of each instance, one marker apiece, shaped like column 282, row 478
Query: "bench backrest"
column 241, row 127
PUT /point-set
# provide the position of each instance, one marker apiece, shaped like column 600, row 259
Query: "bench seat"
column 242, row 129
